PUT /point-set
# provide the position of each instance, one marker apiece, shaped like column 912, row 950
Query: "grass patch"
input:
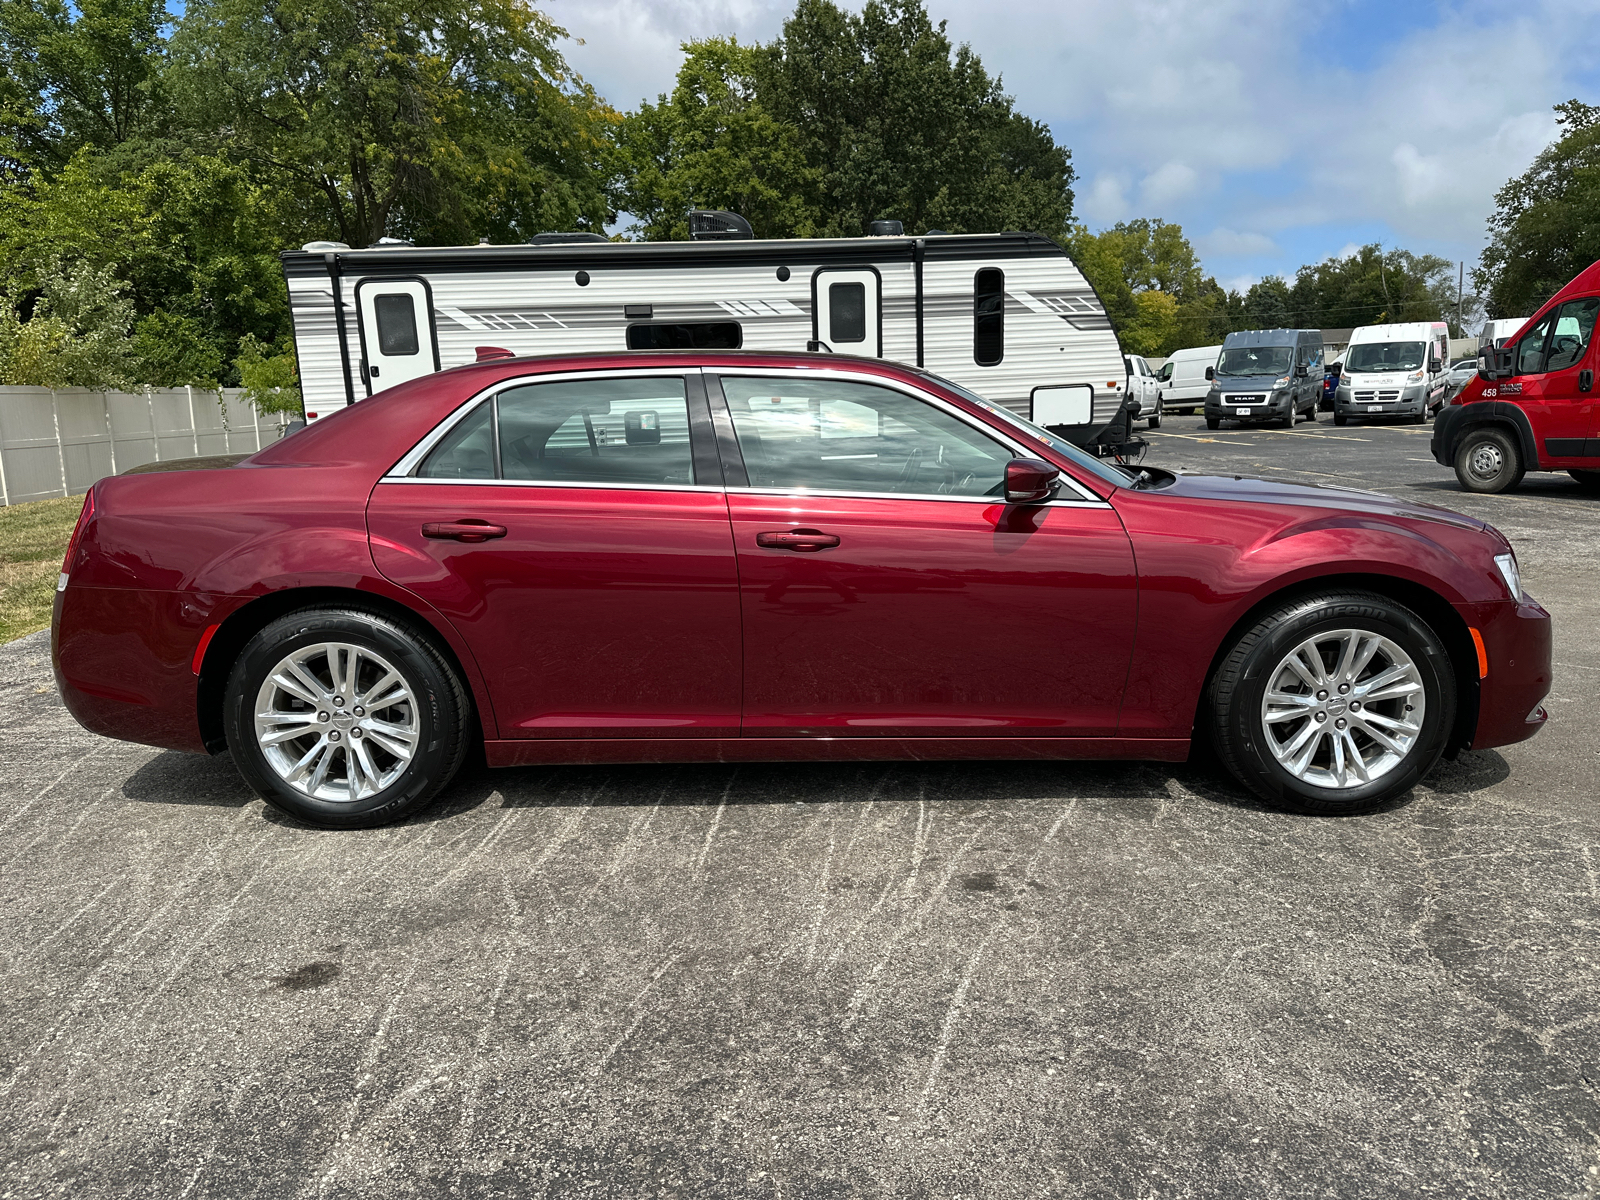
column 33, row 540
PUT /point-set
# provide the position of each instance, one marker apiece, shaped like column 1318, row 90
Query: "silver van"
column 1266, row 376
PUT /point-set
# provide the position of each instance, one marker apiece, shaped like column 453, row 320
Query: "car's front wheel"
column 1213, row 423
column 1333, row 704
column 345, row 718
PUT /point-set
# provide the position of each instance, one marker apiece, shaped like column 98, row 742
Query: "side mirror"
column 1302, row 370
column 1030, row 481
column 1435, row 365
column 1211, row 372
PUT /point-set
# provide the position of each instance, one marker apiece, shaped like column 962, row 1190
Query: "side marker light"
column 1483, row 655
column 205, row 640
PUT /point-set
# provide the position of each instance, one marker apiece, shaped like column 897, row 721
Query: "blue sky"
column 1276, row 132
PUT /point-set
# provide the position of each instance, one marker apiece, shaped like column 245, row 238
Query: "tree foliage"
column 843, row 119
column 77, row 335
column 1546, row 224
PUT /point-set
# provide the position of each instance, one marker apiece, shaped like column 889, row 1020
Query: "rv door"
column 397, row 334
column 847, row 310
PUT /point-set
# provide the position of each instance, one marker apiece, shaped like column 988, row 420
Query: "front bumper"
column 1517, row 642
column 1275, row 408
column 1410, row 403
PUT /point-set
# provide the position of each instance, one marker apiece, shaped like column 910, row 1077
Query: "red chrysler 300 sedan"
column 724, row 556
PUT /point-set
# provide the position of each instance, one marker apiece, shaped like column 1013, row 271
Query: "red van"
column 1532, row 406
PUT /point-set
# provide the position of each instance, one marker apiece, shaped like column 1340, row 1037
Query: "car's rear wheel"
column 345, row 718
column 1155, row 421
column 1589, row 480
column 1333, row 704
column 1488, row 461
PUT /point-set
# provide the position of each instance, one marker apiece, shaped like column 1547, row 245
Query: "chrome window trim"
column 402, row 471
column 998, row 435
column 413, row 457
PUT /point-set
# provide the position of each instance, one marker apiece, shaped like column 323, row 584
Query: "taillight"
column 84, row 518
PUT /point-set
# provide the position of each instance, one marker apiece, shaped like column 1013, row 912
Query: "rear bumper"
column 124, row 659
column 1517, row 642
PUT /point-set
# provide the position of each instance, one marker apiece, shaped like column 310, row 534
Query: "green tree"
column 1546, row 224
column 712, row 144
column 841, row 120
column 1149, row 278
column 77, row 335
column 88, row 73
column 1373, row 286
column 433, row 119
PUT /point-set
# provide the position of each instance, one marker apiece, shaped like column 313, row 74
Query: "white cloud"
column 1166, row 185
column 1232, row 243
column 1105, row 201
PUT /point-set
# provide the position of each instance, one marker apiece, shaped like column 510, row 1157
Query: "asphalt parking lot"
column 1099, row 980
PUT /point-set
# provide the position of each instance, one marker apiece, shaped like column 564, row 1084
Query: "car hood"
column 1252, row 489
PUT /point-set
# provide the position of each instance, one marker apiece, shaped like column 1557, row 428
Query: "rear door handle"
column 807, row 541
column 468, row 529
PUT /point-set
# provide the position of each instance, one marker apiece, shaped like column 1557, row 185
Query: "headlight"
column 1417, row 376
column 1508, row 571
column 1284, row 382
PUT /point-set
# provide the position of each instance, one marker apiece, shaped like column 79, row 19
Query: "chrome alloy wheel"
column 1343, row 708
column 336, row 722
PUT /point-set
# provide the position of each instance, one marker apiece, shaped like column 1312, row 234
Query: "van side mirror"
column 1030, row 481
column 1435, row 365
column 1211, row 372
column 1302, row 370
column 1496, row 362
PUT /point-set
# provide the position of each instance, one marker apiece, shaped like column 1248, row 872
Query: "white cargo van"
column 1498, row 332
column 1393, row 371
column 1183, row 378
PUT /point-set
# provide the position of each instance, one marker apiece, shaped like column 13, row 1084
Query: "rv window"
column 597, row 431
column 396, row 315
column 834, row 436
column 467, row 451
column 694, row 335
column 989, row 316
column 847, row 312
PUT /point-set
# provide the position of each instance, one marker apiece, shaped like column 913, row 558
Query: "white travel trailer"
column 1007, row 315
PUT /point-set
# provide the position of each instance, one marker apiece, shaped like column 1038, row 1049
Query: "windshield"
column 1064, row 448
column 1384, row 356
column 1255, row 360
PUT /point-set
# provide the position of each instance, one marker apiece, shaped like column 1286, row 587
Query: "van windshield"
column 1384, row 356
column 1255, row 360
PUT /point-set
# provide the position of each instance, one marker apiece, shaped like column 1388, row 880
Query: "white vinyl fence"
column 59, row 443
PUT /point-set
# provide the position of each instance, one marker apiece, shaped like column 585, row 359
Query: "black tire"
column 1155, row 421
column 1588, row 480
column 1488, row 461
column 1340, row 419
column 1419, row 418
column 1213, row 423
column 441, row 709
column 1241, row 680
column 1311, row 414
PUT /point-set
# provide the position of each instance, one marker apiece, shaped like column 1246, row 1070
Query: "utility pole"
column 1461, row 281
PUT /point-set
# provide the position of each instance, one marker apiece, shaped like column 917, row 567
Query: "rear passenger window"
column 847, row 312
column 989, row 316
column 598, row 431
column 467, row 451
column 594, row 431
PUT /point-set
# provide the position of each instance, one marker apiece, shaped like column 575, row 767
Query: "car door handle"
column 807, row 541
column 466, row 530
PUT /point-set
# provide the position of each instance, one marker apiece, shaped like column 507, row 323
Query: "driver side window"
column 1530, row 350
column 837, row 436
column 1569, row 340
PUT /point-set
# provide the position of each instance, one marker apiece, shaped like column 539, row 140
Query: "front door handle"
column 806, row 541
column 1586, row 380
column 468, row 529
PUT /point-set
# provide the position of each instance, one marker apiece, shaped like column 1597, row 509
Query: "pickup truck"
column 1531, row 406
column 1144, row 387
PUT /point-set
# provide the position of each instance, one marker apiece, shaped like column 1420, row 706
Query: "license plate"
column 1374, row 408
column 1241, row 412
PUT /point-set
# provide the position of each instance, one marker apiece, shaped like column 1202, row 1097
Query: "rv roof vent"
column 490, row 353
column 388, row 241
column 886, row 229
column 320, row 247
column 562, row 239
column 713, row 225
